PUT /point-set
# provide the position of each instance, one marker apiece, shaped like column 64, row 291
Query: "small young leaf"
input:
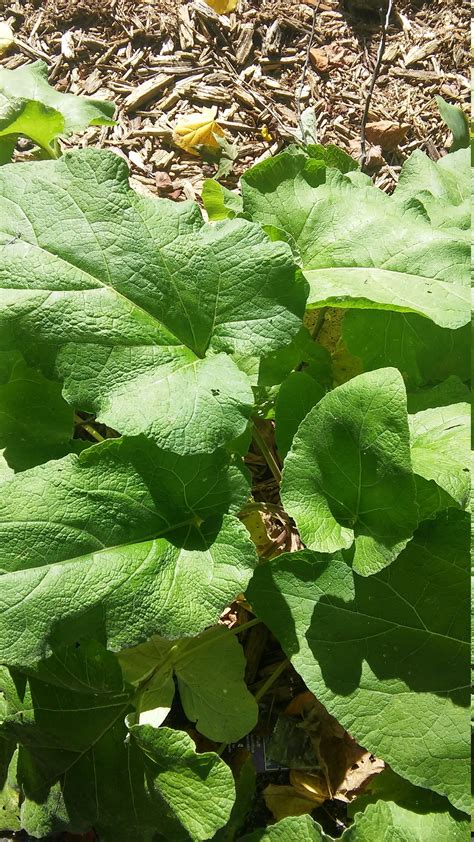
column 348, row 477
column 457, row 121
column 219, row 202
column 30, row 107
column 210, row 673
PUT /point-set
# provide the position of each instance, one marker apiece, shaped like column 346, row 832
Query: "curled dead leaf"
column 319, row 59
column 199, row 129
column 386, row 134
column 284, row 801
column 7, row 38
column 326, row 58
column 373, row 154
column 222, row 7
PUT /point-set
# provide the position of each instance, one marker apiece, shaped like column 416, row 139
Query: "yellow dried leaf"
column 284, row 801
column 266, row 134
column 222, row 7
column 7, row 38
column 310, row 786
column 197, row 130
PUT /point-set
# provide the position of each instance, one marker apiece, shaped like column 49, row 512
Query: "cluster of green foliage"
column 117, row 558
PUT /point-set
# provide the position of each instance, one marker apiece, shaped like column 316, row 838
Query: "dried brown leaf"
column 386, row 134
column 346, row 767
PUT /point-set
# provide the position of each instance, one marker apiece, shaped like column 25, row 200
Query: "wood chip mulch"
column 165, row 58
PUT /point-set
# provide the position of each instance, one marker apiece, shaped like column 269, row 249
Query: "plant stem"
column 88, row 428
column 245, row 626
column 271, row 679
column 319, row 323
column 266, row 453
column 378, row 64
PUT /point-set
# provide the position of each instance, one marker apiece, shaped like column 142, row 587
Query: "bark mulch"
column 158, row 60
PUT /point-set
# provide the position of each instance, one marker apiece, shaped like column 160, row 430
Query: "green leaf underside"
column 446, row 304
column 387, row 655
column 69, row 741
column 36, row 424
column 216, row 699
column 440, row 448
column 76, row 546
column 348, row 476
column 457, row 121
column 135, row 303
column 29, row 106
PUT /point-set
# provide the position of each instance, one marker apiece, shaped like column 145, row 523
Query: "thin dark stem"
column 378, row 64
column 303, row 73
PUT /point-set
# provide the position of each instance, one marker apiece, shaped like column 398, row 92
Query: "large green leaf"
column 70, row 742
column 36, row 423
column 209, row 670
column 348, row 477
column 111, row 495
column 324, row 223
column 137, row 304
column 75, row 540
column 29, row 106
column 387, row 655
column 392, row 256
column 125, row 594
column 440, row 448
